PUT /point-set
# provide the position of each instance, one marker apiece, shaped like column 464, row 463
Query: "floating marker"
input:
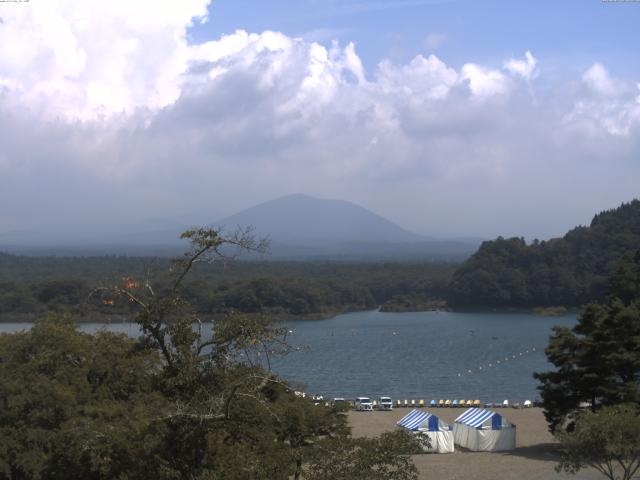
column 479, row 368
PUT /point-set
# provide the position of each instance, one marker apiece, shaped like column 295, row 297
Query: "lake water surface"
column 490, row 356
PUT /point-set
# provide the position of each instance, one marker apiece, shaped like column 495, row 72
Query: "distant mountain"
column 567, row 271
column 306, row 228
column 304, row 220
column 300, row 228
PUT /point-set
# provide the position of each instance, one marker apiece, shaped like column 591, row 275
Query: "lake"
column 490, row 356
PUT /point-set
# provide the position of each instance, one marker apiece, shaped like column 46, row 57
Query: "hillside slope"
column 568, row 271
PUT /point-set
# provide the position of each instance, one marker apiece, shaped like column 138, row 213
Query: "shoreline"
column 30, row 318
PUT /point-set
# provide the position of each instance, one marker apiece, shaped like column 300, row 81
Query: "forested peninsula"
column 568, row 271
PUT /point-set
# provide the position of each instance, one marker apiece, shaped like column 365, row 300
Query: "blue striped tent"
column 484, row 430
column 476, row 418
column 423, row 423
column 417, row 420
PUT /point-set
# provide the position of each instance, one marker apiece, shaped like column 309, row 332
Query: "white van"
column 385, row 403
column 363, row 404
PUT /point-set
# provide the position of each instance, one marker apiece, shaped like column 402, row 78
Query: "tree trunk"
column 298, row 472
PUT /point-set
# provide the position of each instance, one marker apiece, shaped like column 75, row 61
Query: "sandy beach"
column 534, row 458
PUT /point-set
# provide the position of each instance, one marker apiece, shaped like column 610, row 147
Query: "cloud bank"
column 110, row 114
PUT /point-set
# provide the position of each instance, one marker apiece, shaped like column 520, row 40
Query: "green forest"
column 504, row 273
column 568, row 271
column 175, row 403
column 33, row 286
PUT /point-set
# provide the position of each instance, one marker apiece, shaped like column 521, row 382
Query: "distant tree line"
column 33, row 286
column 568, row 271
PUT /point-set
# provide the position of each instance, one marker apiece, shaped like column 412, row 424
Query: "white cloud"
column 606, row 106
column 484, row 82
column 422, row 78
column 127, row 118
column 525, row 68
column 85, row 59
column 598, row 79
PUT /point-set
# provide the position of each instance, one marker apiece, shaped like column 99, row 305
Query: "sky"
column 450, row 118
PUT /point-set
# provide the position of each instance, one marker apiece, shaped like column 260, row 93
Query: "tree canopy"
column 183, row 401
column 567, row 271
column 598, row 360
column 608, row 441
column 32, row 287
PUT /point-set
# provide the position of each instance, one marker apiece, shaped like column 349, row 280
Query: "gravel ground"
column 533, row 459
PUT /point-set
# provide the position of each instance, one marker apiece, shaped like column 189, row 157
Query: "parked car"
column 340, row 402
column 363, row 404
column 385, row 403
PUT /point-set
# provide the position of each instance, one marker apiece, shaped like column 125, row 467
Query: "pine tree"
column 598, row 360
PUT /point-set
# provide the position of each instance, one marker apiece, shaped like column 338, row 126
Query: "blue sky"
column 567, row 35
column 450, row 118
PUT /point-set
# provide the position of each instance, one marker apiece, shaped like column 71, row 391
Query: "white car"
column 385, row 403
column 363, row 404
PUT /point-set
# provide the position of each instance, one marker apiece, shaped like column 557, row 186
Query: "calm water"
column 421, row 355
column 411, row 355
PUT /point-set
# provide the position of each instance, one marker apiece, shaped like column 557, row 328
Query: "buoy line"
column 500, row 361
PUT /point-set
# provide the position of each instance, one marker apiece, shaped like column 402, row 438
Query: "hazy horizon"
column 448, row 118
column 165, row 232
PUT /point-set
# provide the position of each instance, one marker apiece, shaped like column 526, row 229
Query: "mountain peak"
column 302, row 219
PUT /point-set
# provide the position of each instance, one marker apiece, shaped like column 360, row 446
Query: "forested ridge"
column 33, row 286
column 568, row 271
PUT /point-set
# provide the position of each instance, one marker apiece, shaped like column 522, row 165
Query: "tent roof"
column 475, row 417
column 415, row 418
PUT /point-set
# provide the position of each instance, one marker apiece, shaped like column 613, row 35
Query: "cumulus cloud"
column 484, row 82
column 422, row 78
column 605, row 105
column 128, row 120
column 525, row 68
column 598, row 79
column 86, row 59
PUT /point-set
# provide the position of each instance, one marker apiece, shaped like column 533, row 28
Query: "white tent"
column 439, row 433
column 484, row 431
